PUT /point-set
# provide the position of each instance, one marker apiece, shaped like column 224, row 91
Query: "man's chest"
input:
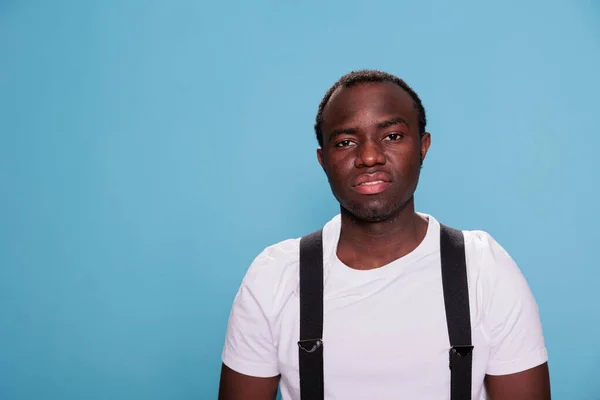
column 383, row 337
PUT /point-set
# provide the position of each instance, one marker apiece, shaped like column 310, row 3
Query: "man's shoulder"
column 273, row 274
column 478, row 243
column 275, row 258
column 485, row 255
column 277, row 266
column 478, row 239
column 278, row 254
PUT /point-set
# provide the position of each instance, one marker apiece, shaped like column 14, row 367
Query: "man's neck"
column 369, row 245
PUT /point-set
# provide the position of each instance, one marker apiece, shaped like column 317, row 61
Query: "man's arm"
column 250, row 369
column 236, row 386
column 517, row 366
column 532, row 384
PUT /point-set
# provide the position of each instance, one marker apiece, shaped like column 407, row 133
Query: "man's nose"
column 370, row 154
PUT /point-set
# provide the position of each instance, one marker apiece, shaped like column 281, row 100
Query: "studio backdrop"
column 150, row 150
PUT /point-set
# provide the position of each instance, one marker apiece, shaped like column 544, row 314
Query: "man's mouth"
column 370, row 183
column 372, row 187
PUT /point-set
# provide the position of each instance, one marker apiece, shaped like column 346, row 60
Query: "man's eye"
column 343, row 143
column 394, row 136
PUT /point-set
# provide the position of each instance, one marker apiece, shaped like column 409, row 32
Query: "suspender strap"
column 458, row 317
column 456, row 300
column 310, row 346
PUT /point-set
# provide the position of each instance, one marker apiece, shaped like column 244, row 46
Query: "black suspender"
column 456, row 301
column 458, row 317
column 310, row 346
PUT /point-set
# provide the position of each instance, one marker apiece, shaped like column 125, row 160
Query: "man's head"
column 371, row 129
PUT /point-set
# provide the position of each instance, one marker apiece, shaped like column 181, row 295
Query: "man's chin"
column 369, row 214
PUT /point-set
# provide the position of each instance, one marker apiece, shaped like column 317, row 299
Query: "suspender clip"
column 459, row 353
column 462, row 351
column 310, row 345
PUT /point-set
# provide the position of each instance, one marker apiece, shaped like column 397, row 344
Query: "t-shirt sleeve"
column 249, row 347
column 511, row 315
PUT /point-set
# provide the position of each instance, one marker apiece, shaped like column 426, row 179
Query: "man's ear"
column 320, row 158
column 425, row 143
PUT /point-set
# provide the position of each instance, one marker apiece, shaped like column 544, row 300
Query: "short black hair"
column 366, row 76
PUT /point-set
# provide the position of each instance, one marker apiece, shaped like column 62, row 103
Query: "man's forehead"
column 387, row 97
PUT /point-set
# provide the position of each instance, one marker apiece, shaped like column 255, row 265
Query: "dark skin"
column 236, row 386
column 370, row 132
column 368, row 129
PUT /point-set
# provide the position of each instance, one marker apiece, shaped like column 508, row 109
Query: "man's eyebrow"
column 342, row 131
column 392, row 121
column 380, row 125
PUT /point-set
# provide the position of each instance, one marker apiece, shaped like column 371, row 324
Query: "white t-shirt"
column 384, row 334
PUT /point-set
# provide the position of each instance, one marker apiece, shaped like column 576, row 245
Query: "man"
column 384, row 332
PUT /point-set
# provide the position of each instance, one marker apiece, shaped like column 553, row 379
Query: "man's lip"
column 373, row 177
column 372, row 188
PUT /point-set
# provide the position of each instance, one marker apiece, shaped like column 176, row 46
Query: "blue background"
column 150, row 150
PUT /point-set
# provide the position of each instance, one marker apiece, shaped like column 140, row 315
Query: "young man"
column 385, row 333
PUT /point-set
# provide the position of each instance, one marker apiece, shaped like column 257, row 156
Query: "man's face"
column 372, row 150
